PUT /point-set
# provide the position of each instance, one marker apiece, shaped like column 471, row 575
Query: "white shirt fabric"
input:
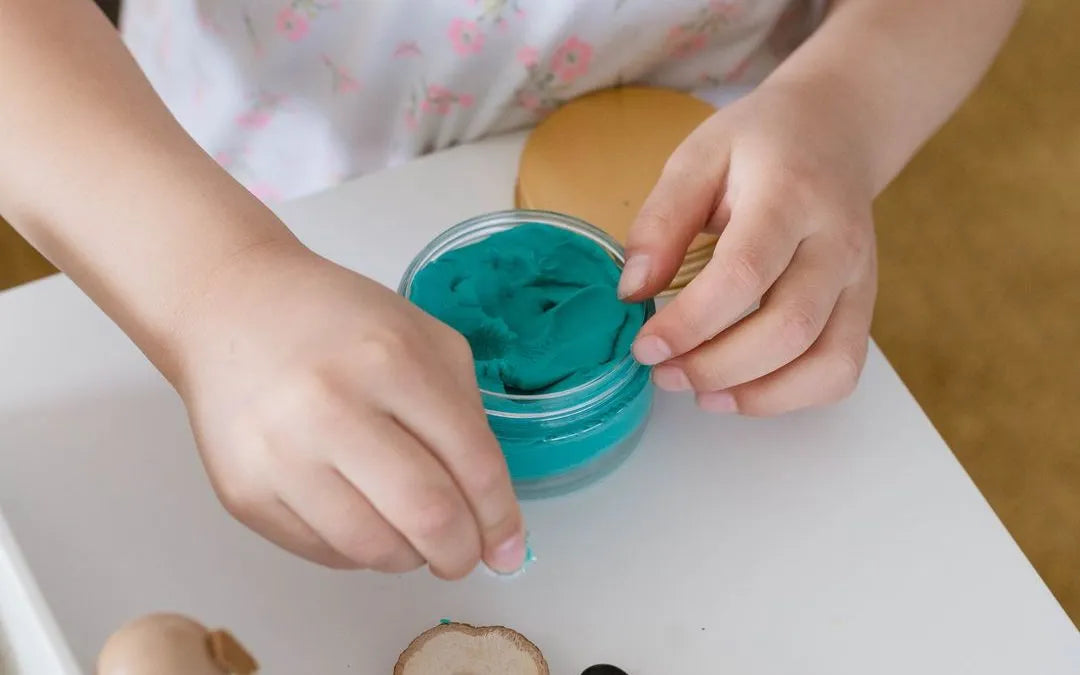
column 293, row 96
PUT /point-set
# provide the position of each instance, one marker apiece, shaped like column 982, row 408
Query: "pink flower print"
column 343, row 81
column 292, row 24
column 346, row 84
column 736, row 73
column 529, row 100
column 253, row 37
column 498, row 13
column 729, row 9
column 265, row 192
column 439, row 100
column 406, row 49
column 571, row 59
column 223, row 158
column 411, row 123
column 207, row 23
column 254, row 119
column 528, row 56
column 466, row 37
column 683, row 43
column 261, row 111
column 165, row 43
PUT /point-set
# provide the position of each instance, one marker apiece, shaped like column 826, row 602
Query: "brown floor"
column 979, row 308
column 980, row 288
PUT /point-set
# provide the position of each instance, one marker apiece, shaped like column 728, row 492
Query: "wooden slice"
column 461, row 648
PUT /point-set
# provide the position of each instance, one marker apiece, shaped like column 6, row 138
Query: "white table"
column 843, row 542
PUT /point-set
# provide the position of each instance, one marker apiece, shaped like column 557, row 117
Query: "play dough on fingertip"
column 537, row 304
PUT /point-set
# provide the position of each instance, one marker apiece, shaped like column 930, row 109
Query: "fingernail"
column 650, row 350
column 634, row 275
column 509, row 556
column 718, row 402
column 671, row 378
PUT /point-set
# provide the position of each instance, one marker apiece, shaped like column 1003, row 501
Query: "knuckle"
column 457, row 347
column 752, row 407
column 241, row 499
column 487, row 475
column 456, row 572
column 653, row 221
column 686, row 324
column 800, row 324
column 777, row 215
column 703, row 373
column 396, row 561
column 854, row 242
column 237, row 465
column 846, row 367
column 436, row 516
column 797, row 180
column 336, row 562
column 361, row 545
column 383, row 352
column 688, row 158
column 746, row 270
column 303, row 396
column 376, row 555
column 509, row 523
column 312, row 399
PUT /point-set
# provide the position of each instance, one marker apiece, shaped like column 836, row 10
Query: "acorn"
column 172, row 644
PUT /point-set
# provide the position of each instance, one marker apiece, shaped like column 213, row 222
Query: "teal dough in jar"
column 537, row 304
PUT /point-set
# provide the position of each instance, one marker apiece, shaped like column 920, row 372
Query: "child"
column 335, row 418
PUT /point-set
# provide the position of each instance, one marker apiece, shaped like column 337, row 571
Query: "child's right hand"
column 343, row 423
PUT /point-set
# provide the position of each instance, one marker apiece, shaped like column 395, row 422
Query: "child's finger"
column 346, row 520
column 450, row 421
column 826, row 373
column 790, row 319
column 757, row 245
column 410, row 489
column 678, row 209
column 277, row 522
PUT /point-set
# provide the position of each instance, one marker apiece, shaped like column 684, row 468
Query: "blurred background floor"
column 979, row 308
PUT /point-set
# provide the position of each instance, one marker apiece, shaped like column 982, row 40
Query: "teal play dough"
column 537, row 304
column 551, row 341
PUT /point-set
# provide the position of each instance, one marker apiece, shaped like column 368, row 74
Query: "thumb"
column 677, row 210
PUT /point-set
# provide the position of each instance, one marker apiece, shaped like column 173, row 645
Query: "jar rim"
column 484, row 225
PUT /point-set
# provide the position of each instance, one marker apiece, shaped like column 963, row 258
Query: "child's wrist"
column 840, row 111
column 839, row 123
column 210, row 303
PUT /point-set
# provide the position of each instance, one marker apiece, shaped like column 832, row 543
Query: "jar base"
column 529, row 489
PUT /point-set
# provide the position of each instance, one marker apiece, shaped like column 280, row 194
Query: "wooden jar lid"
column 598, row 157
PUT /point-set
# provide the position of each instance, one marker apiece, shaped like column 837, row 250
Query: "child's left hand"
column 785, row 181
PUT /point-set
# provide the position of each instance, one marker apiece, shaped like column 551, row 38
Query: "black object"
column 603, row 669
column 111, row 9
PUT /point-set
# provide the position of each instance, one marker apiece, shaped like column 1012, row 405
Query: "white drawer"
column 30, row 640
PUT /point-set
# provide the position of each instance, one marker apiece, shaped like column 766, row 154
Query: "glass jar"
column 560, row 441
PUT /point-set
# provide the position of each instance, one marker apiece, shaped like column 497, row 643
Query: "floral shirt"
column 292, row 96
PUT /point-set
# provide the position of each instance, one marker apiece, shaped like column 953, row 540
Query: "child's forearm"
column 97, row 175
column 894, row 70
